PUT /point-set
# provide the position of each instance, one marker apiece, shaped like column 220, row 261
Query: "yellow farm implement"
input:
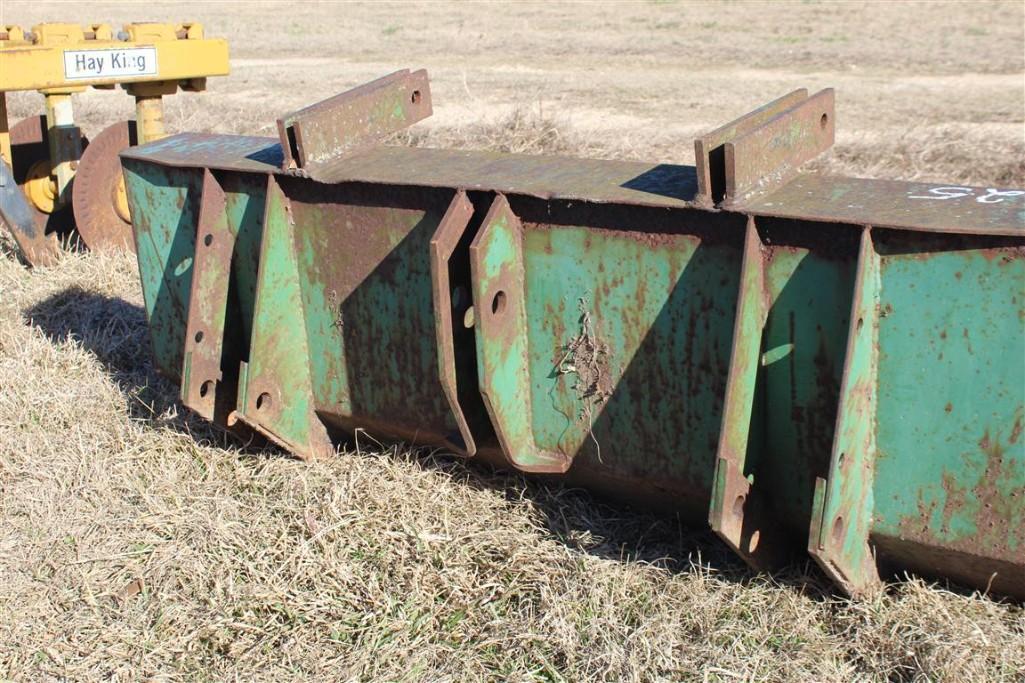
column 66, row 181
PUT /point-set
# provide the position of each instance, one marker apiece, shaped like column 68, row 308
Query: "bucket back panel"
column 164, row 203
column 950, row 472
column 629, row 328
column 365, row 274
column 245, row 196
column 809, row 283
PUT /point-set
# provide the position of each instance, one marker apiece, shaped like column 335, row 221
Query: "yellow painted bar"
column 5, row 131
column 65, row 143
column 36, row 67
column 149, row 118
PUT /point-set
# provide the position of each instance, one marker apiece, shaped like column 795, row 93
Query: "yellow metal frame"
column 182, row 54
column 35, row 60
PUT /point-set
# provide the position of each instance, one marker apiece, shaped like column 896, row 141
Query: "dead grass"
column 947, row 154
column 936, row 153
column 523, row 130
column 138, row 542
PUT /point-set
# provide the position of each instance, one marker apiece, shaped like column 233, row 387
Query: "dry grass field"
column 138, row 543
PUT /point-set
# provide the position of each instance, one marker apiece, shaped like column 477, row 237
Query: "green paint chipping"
column 811, row 303
column 951, row 468
column 165, row 204
column 844, row 515
column 278, row 393
column 647, row 330
column 502, row 342
column 876, row 402
column 245, row 196
column 370, row 315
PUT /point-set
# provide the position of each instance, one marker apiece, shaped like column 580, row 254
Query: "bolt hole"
column 752, row 544
column 205, row 388
column 498, row 303
column 837, row 531
column 738, row 506
column 199, row 336
column 839, row 461
column 861, row 323
column 824, row 121
column 208, row 240
column 415, row 97
column 263, row 401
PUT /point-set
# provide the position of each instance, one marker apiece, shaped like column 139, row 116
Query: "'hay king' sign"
column 110, row 63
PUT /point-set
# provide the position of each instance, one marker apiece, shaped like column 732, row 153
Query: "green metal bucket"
column 825, row 364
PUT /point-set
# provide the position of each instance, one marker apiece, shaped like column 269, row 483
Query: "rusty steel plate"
column 29, row 146
column 858, row 201
column 98, row 183
column 932, row 207
column 643, row 184
column 763, row 159
column 17, row 215
column 204, row 150
column 354, row 119
column 709, row 149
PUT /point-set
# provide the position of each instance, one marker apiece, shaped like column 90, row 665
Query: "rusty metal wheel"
column 30, row 152
column 101, row 206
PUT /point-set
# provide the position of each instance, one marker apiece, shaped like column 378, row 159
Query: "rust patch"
column 954, row 502
column 1015, row 431
column 998, row 536
column 588, row 358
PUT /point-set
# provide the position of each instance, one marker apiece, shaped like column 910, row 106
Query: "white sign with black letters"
column 110, row 63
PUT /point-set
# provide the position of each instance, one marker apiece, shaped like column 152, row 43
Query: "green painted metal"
column 838, row 539
column 854, row 389
column 365, row 276
column 949, row 386
column 784, row 386
column 165, row 242
column 276, row 384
